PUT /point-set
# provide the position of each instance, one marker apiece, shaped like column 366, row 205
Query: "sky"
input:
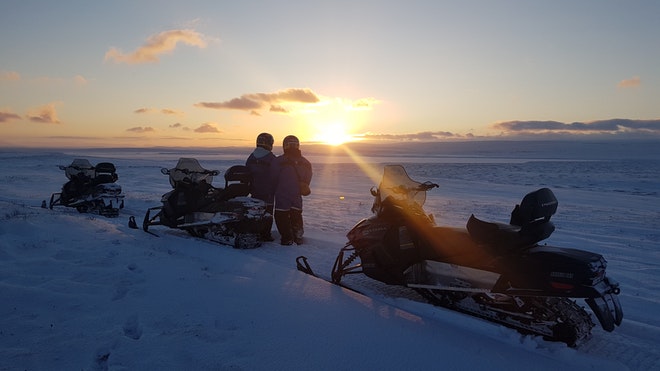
column 208, row 73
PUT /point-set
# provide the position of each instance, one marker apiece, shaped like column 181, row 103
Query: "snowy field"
column 84, row 292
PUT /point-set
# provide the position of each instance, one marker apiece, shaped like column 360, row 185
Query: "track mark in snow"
column 132, row 328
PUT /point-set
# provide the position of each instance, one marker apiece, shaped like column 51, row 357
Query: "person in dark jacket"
column 288, row 172
column 258, row 163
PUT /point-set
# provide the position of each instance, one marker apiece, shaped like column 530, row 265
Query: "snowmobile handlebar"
column 166, row 171
column 402, row 189
column 63, row 167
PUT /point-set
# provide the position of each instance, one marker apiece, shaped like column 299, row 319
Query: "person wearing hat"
column 258, row 163
column 291, row 174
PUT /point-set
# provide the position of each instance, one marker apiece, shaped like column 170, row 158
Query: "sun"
column 333, row 134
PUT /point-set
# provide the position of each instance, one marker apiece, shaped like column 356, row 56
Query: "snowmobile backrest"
column 80, row 169
column 537, row 206
column 105, row 172
column 188, row 170
column 238, row 173
column 237, row 181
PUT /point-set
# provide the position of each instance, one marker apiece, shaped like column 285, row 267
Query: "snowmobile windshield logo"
column 548, row 203
column 377, row 229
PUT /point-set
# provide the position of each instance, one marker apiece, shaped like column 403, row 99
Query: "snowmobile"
column 225, row 215
column 90, row 189
column 492, row 270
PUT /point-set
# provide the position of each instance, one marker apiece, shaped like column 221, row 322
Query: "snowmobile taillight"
column 596, row 277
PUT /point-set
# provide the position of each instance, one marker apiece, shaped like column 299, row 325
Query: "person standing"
column 291, row 174
column 259, row 163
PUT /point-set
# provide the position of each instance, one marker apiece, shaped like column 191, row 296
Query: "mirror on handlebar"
column 428, row 185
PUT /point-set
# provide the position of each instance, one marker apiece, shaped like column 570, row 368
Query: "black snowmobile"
column 90, row 189
column 225, row 215
column 495, row 271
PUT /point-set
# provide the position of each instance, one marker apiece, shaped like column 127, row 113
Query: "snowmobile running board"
column 446, row 288
column 303, row 266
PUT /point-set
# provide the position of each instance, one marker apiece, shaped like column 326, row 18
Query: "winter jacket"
column 287, row 171
column 259, row 163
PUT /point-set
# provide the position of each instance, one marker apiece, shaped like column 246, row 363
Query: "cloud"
column 179, row 125
column 421, row 136
column 8, row 116
column 242, row 103
column 207, row 127
column 145, row 110
column 278, row 108
column 287, row 95
column 46, row 114
column 256, row 101
column 168, row 111
column 77, row 80
column 80, row 80
column 140, row 129
column 630, row 83
column 612, row 126
column 164, row 42
column 164, row 111
column 363, row 104
column 10, row 76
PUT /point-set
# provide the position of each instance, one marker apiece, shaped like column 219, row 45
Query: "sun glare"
column 333, row 135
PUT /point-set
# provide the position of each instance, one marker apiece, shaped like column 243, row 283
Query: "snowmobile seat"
column 105, row 172
column 529, row 224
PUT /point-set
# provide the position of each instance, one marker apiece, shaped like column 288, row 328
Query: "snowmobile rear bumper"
column 607, row 307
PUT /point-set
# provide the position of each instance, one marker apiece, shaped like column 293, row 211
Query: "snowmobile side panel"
column 434, row 274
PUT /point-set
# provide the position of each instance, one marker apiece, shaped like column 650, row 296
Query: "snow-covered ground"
column 79, row 291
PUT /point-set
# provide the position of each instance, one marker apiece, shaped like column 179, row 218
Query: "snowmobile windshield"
column 189, row 170
column 398, row 186
column 80, row 168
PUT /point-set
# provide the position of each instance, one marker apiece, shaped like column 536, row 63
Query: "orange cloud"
column 156, row 45
column 278, row 108
column 208, row 127
column 10, row 76
column 46, row 114
column 140, row 129
column 80, row 80
column 255, row 101
column 630, row 83
column 168, row 111
column 164, row 111
column 8, row 116
column 144, row 110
